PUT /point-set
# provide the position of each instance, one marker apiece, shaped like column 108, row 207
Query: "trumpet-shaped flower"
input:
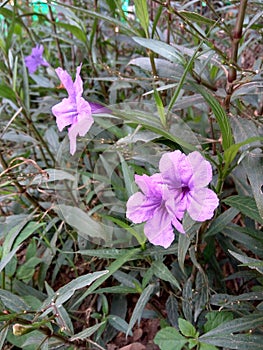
column 187, row 178
column 165, row 197
column 35, row 60
column 73, row 111
column 152, row 205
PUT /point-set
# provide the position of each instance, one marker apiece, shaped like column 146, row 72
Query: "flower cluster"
column 35, row 60
column 181, row 186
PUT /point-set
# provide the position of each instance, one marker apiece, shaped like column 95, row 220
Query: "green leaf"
column 140, row 305
column 195, row 17
column 241, row 235
column 192, row 343
column 231, row 152
column 161, row 48
column 113, row 267
column 161, row 271
column 30, row 228
column 204, row 346
column 119, row 323
column 123, row 26
column 3, row 334
column 160, row 107
column 237, row 325
column 117, row 290
column 220, row 115
column 226, row 299
column 87, row 227
column 12, row 301
column 251, row 262
column 65, row 293
column 221, row 221
column 141, row 11
column 246, row 205
column 186, row 328
column 237, row 341
column 171, row 307
column 187, row 297
column 183, row 245
column 243, row 130
column 76, row 31
column 26, row 271
column 216, row 318
column 7, row 92
column 86, row 333
column 151, row 122
column 169, row 339
column 5, row 260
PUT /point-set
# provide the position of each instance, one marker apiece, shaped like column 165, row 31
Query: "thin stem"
column 52, row 20
column 236, row 37
column 20, row 188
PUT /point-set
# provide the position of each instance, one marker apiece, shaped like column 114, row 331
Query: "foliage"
column 173, row 75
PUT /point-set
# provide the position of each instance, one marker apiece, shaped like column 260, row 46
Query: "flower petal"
column 140, row 208
column 202, row 203
column 44, row 63
column 38, row 50
column 78, row 83
column 169, row 166
column 201, row 169
column 81, row 127
column 149, row 185
column 97, row 108
column 176, row 207
column 158, row 229
column 65, row 112
column 67, row 81
column 31, row 64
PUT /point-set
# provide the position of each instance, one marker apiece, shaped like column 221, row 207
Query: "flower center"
column 185, row 190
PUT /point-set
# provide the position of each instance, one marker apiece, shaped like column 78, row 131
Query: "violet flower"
column 179, row 187
column 187, row 178
column 74, row 110
column 35, row 60
column 153, row 206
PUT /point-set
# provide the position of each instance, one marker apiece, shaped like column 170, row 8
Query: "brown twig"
column 236, row 37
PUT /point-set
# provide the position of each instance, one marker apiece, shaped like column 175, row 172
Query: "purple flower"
column 187, row 178
column 35, row 60
column 74, row 110
column 165, row 197
column 153, row 206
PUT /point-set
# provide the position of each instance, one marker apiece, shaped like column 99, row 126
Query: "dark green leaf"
column 237, row 325
column 222, row 221
column 216, row 318
column 237, row 341
column 171, row 307
column 195, row 17
column 162, row 272
column 113, row 267
column 246, row 205
column 140, row 305
column 86, row 333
